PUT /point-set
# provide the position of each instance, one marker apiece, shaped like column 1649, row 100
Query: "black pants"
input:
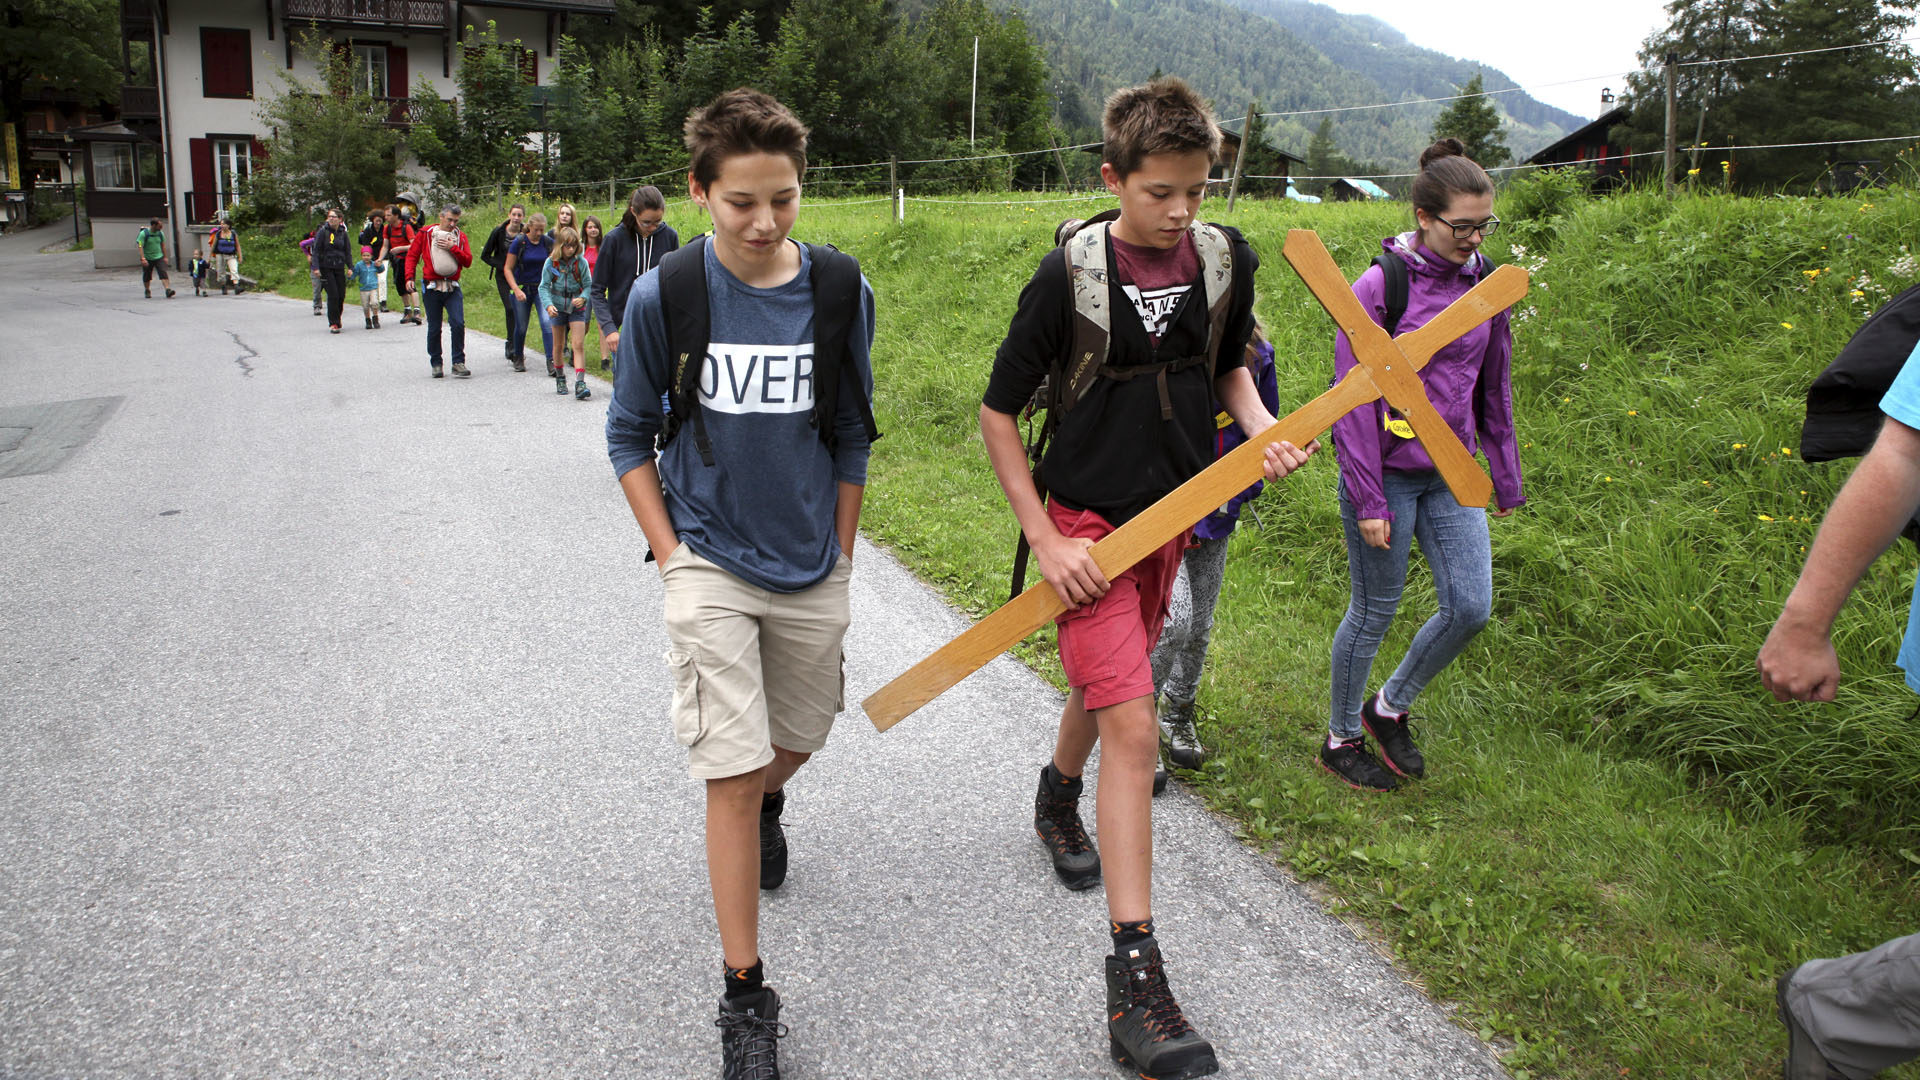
column 150, row 267
column 506, row 305
column 335, row 283
column 397, row 279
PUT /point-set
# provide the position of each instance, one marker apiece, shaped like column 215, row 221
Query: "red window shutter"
column 258, row 151
column 200, row 155
column 397, row 82
column 226, row 63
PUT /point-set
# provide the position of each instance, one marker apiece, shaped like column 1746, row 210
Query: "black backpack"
column 683, row 298
column 1843, row 404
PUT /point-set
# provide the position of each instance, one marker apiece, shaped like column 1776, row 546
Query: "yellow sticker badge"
column 1398, row 426
column 1221, row 420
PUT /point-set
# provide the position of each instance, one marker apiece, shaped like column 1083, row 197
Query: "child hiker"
column 1123, row 445
column 1182, row 651
column 366, row 274
column 751, row 508
column 563, row 293
column 1390, row 492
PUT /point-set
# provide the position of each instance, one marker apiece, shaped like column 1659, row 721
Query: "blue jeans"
column 1454, row 540
column 524, row 312
column 436, row 301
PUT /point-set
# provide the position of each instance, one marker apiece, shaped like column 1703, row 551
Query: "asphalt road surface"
column 335, row 743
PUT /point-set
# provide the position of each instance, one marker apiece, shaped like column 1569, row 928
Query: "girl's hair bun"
column 1444, row 148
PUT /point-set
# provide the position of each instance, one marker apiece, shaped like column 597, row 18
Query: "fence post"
column 893, row 174
column 611, row 204
column 900, row 205
column 1066, row 182
column 1239, row 160
column 1666, row 162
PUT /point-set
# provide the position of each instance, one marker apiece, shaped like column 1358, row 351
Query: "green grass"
column 1624, row 839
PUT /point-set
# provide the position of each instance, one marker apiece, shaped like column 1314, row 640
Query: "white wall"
column 193, row 115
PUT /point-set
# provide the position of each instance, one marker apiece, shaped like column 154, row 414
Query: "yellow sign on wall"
column 12, row 162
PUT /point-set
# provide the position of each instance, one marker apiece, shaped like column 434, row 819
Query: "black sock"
column 744, row 981
column 1128, row 934
column 1059, row 784
column 773, row 802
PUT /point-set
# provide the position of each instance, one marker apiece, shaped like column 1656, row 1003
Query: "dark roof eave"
column 1615, row 115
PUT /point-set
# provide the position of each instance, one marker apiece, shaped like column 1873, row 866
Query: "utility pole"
column 1066, row 182
column 1239, row 159
column 974, row 105
column 1666, row 167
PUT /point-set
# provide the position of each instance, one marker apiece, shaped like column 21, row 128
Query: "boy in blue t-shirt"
column 366, row 274
column 752, row 515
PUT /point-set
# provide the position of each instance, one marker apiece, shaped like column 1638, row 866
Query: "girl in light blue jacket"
column 563, row 296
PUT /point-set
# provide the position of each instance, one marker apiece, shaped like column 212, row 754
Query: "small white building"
column 196, row 70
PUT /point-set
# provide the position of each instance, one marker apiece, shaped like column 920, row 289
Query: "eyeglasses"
column 1464, row 229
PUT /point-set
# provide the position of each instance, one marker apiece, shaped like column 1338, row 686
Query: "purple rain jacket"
column 1469, row 382
column 1220, row 523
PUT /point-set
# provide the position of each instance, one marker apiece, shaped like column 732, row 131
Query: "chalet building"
column 1354, row 189
column 1591, row 147
column 196, row 71
column 1230, row 152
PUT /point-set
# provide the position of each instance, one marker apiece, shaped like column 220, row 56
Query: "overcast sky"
column 1536, row 42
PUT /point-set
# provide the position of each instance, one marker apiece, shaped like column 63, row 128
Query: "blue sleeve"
column 546, row 286
column 851, row 446
column 639, row 379
column 1902, row 401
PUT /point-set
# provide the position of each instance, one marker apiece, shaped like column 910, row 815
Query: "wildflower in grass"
column 1633, row 412
column 1739, row 446
column 1693, row 172
column 1706, row 483
column 1786, row 451
column 1763, row 517
column 1811, row 274
column 1857, row 294
column 1609, row 479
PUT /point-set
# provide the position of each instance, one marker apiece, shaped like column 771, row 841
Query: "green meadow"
column 1623, row 840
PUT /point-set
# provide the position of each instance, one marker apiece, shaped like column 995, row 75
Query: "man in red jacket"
column 440, row 252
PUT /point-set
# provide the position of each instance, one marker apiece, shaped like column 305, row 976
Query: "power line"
column 1799, row 52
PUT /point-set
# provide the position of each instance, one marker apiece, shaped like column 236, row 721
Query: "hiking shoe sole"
column 1204, row 1066
column 1331, row 771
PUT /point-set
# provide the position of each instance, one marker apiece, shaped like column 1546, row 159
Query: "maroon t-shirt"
column 1155, row 279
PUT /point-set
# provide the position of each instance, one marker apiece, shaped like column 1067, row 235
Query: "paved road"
column 335, row 746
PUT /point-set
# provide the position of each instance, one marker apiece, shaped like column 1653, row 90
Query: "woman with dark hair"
column 1390, row 492
column 635, row 246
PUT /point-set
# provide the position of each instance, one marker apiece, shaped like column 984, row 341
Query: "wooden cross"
column 1387, row 367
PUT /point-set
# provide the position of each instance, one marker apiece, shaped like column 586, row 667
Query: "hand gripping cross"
column 1388, row 367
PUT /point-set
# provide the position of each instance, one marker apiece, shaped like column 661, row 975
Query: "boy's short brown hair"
column 739, row 122
column 1164, row 116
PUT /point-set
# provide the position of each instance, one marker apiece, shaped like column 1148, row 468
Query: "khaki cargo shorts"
column 752, row 669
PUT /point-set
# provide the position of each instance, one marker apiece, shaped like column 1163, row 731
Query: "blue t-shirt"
column 1902, row 403
column 764, row 510
column 533, row 259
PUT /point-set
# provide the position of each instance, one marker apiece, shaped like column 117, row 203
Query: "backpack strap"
column 683, row 299
column 835, row 278
column 1394, row 270
column 1216, row 278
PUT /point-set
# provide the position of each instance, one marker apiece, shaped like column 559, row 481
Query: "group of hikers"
column 747, row 482
column 563, row 275
column 216, row 260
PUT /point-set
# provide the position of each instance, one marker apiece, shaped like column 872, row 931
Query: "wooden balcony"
column 140, row 103
column 383, row 14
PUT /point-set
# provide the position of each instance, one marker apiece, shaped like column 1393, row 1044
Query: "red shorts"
column 1106, row 646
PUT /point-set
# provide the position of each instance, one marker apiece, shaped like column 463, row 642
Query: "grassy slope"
column 1623, row 840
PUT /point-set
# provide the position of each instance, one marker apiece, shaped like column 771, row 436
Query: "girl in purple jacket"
column 1390, row 492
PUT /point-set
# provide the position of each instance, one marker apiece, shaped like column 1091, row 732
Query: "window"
column 232, row 165
column 149, row 175
column 370, row 69
column 140, row 62
column 226, row 63
column 113, row 165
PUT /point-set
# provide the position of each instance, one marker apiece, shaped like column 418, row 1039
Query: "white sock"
column 1380, row 706
column 1334, row 739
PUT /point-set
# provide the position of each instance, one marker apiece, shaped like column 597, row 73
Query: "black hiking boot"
column 580, row 391
column 1145, row 1028
column 773, row 841
column 1396, row 741
column 559, row 382
column 1179, row 743
column 750, row 1028
column 1057, row 821
column 1356, row 766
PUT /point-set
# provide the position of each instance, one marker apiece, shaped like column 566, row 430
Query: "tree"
column 328, row 144
column 850, row 74
column 1013, row 104
column 69, row 47
column 1815, row 97
column 1476, row 123
column 1323, row 157
column 479, row 138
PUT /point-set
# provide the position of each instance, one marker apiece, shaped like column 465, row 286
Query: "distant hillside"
column 1286, row 54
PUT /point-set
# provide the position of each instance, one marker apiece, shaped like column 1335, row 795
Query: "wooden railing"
column 413, row 14
column 139, row 101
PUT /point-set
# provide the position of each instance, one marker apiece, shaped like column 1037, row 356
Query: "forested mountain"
column 1287, row 55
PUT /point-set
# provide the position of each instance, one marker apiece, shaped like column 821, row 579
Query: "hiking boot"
column 580, row 391
column 376, row 322
column 551, row 369
column 334, row 329
column 1159, row 781
column 1057, row 821
column 750, row 1028
column 369, row 321
column 606, row 363
column 1145, row 1028
column 317, row 311
column 1353, row 763
column 1179, row 743
column 559, row 381
column 460, row 370
column 169, row 292
column 1396, row 742
column 518, row 365
column 437, row 373
column 150, row 296
column 773, row 841
column 1804, row 1059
